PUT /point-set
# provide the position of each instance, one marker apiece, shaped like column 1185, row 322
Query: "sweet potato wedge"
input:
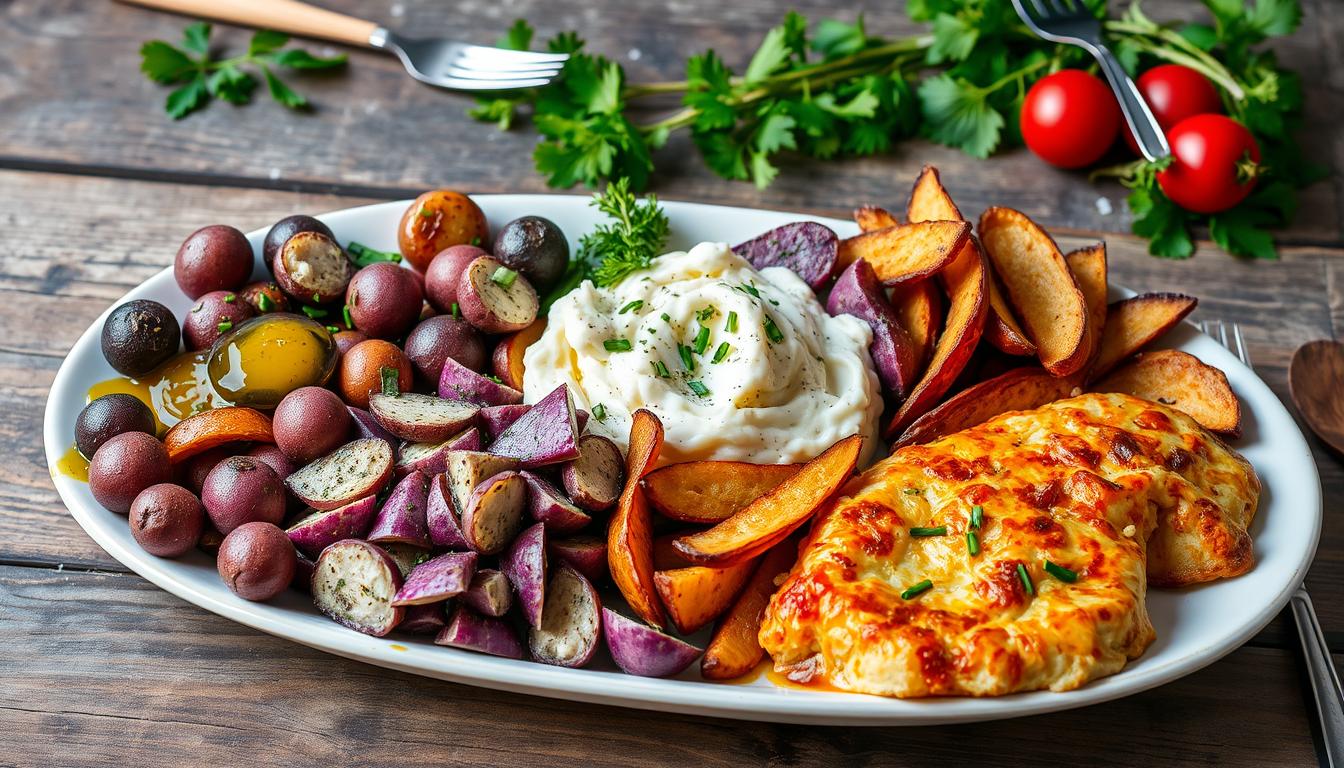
column 871, row 218
column 1019, row 389
column 1001, row 328
column 1133, row 323
column 906, row 252
column 665, row 554
column 735, row 650
column 1088, row 267
column 712, row 491
column 1184, row 382
column 202, row 431
column 1040, row 288
column 771, row 518
column 697, row 595
column 919, row 310
column 630, row 532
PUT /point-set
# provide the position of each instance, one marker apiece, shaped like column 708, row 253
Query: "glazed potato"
column 361, row 370
column 439, row 219
column 312, row 268
column 496, row 299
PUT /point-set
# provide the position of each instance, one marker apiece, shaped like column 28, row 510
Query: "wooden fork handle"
column 280, row 15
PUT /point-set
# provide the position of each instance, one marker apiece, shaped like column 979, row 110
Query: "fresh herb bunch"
column 836, row 90
column 629, row 243
column 202, row 76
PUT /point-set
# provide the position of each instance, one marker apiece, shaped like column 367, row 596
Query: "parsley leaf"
column 957, row 114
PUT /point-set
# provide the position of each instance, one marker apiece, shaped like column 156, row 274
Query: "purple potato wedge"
column 858, row 292
column 547, row 434
column 367, row 427
column 595, row 479
column 466, row 470
column 639, row 649
column 402, row 517
column 357, row 469
column 525, row 565
column 489, row 593
column 571, row 623
column 421, row 418
column 493, row 514
column 437, row 580
column 547, row 505
column 427, row 619
column 458, row 382
column 431, row 458
column 587, row 554
column 318, row 529
column 353, row 583
column 445, row 530
column 497, row 418
column 494, row 298
column 470, row 631
column 806, row 247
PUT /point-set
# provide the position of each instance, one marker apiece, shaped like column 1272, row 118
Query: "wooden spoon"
column 1316, row 381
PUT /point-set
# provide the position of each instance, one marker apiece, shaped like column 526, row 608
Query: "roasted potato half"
column 1184, row 382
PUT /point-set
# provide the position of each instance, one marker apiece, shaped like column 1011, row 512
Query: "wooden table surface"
column 98, row 187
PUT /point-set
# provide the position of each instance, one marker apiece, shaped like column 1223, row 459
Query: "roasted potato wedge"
column 1001, row 327
column 1133, row 323
column 1019, row 389
column 630, row 532
column 1040, row 288
column 1184, row 382
column 1088, row 267
column 712, row 491
column 771, row 518
column 735, row 650
column 665, row 554
column 697, row 595
column 906, row 252
column 871, row 218
column 919, row 310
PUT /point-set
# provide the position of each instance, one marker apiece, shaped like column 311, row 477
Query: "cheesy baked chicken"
column 1013, row 556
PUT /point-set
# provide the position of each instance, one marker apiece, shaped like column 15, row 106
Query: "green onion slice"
column 631, row 307
column 706, row 313
column 660, row 369
column 731, row 325
column 1026, row 579
column 917, row 589
column 772, row 331
column 264, row 302
column 363, row 255
column 721, row 352
column 940, row 530
column 1060, row 572
column 686, row 360
column 702, row 340
column 224, row 325
column 616, row 345
column 504, row 277
column 391, row 381
column 600, row 412
column 972, row 543
column 314, row 312
column 977, row 516
column 698, row 388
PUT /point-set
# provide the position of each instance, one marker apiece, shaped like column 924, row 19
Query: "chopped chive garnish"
column 917, row 589
column 632, row 306
column 666, row 318
column 1060, row 572
column 314, row 312
column 731, row 325
column 721, row 352
column 264, row 303
column 345, row 314
column 391, row 381
column 772, row 301
column 698, row 388
column 494, row 378
column 363, row 255
column 616, row 345
column 317, row 298
column 504, row 277
column 229, row 298
column 425, row 213
column 972, row 543
column 702, row 340
column 977, row 516
column 660, row 369
column 333, row 329
column 749, row 289
column 600, row 412
column 224, row 325
column 772, row 331
column 1026, row 579
column 456, row 311
column 706, row 313
column 913, row 491
column 476, row 241
column 940, row 530
column 686, row 360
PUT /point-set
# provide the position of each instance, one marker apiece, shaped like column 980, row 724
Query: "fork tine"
column 1242, row 352
column 506, row 79
column 503, row 55
column 467, row 84
column 486, row 65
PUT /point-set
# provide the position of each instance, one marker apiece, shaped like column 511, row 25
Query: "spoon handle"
column 1324, row 680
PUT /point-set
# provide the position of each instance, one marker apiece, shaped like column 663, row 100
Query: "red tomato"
column 1069, row 119
column 1214, row 162
column 1174, row 93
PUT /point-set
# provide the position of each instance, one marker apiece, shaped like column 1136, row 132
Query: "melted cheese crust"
column 1092, row 484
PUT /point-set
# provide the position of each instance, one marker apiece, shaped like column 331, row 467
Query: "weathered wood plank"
column 208, row 691
column 377, row 130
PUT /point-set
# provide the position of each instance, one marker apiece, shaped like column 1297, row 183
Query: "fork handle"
column 1324, row 680
column 288, row 16
column 1148, row 134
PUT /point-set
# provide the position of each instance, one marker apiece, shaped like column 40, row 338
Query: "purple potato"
column 313, row 269
column 384, row 300
column 457, row 382
column 496, row 299
column 309, row 423
column 639, row 649
column 596, row 478
column 357, row 469
column 525, row 566
column 547, row 434
column 315, row 530
column 806, row 247
column 571, row 622
column 427, row 619
column 548, row 506
column 139, row 336
column 483, row 634
column 497, row 418
column 493, row 514
column 431, row 458
column 402, row 517
column 368, row 427
column 167, row 520
column 213, row 258
column 535, row 247
column 489, row 593
column 445, row 530
column 587, row 554
column 440, row 337
column 437, row 580
column 108, row 416
column 858, row 292
column 354, row 583
column 421, row 418
column 241, row 490
column 274, row 458
column 286, row 228
column 443, row 273
column 213, row 315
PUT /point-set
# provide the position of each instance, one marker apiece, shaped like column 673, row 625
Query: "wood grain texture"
column 376, row 131
column 207, row 691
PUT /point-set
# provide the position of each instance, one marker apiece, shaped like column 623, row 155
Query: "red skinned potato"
column 470, row 631
column 241, row 490
column 547, row 505
column 213, row 258
column 639, row 649
column 213, row 315
column 312, row 268
column 304, row 568
column 166, row 520
column 384, row 300
column 497, row 418
column 357, row 469
column 587, row 554
column 489, row 593
column 309, row 423
column 436, row 220
column 286, row 228
column 124, row 466
column 273, row 458
column 431, row 458
column 354, row 583
column 440, row 337
column 437, row 580
column 507, row 359
column 427, row 619
column 805, row 247
column 547, row 434
column 525, row 566
column 316, row 529
column 445, row 530
column 594, row 480
column 494, row 298
column 571, row 621
column 256, row 561
column 401, row 519
column 493, row 514
column 857, row 292
column 457, row 382
column 421, row 418
column 443, row 272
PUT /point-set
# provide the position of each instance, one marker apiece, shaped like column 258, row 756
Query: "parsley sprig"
column 201, row 76
column 628, row 243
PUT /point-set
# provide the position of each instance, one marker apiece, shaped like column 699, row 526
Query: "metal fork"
column 445, row 63
column 1070, row 22
column 1325, row 685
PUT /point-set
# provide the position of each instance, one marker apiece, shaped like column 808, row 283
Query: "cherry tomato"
column 1214, row 162
column 1173, row 93
column 1069, row 119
